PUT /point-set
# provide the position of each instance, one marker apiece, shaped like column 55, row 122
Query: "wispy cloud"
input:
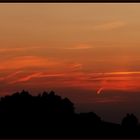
column 123, row 73
column 27, row 78
column 73, row 78
column 11, row 75
column 88, row 81
column 37, row 75
column 10, row 49
column 76, row 67
column 109, row 25
column 27, row 62
column 79, row 47
column 18, row 49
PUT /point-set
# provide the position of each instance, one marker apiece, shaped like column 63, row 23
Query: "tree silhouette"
column 130, row 120
column 48, row 115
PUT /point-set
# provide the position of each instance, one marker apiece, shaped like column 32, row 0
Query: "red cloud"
column 27, row 62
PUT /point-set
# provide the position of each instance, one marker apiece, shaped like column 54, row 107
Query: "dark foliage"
column 48, row 115
column 130, row 121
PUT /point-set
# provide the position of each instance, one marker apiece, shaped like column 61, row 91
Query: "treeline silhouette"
column 48, row 115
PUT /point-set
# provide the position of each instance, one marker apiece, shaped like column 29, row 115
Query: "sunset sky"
column 89, row 53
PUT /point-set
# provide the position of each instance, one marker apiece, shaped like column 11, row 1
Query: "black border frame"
column 69, row 1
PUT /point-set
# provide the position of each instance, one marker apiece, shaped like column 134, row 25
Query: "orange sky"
column 85, row 47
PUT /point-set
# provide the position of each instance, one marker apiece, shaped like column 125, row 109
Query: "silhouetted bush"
column 130, row 120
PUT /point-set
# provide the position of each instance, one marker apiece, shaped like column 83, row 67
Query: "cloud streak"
column 27, row 62
column 18, row 49
column 88, row 81
column 36, row 75
column 79, row 47
column 111, row 25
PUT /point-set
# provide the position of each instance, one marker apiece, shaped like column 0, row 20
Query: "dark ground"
column 50, row 116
